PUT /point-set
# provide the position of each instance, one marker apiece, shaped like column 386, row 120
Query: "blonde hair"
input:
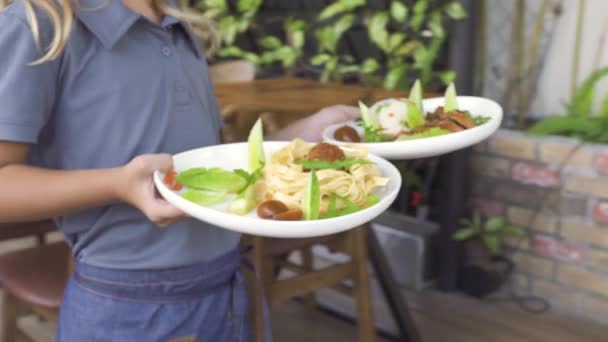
column 61, row 14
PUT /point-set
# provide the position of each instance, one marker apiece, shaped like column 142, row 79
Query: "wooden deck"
column 441, row 318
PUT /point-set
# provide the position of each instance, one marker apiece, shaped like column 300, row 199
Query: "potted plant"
column 486, row 266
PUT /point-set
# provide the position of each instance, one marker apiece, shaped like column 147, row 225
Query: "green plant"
column 580, row 121
column 274, row 50
column 230, row 22
column 408, row 37
column 490, row 232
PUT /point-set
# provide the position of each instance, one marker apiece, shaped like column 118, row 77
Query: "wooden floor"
column 440, row 318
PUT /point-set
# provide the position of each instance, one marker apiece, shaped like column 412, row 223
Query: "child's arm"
column 30, row 194
column 311, row 128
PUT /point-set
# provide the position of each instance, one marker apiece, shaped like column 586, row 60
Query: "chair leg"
column 12, row 309
column 365, row 319
column 257, row 298
column 308, row 264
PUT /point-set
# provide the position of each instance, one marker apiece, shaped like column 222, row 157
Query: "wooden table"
column 294, row 95
column 290, row 98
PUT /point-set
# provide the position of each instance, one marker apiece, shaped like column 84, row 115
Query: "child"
column 94, row 97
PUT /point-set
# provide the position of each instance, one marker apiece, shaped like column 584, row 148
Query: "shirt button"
column 166, row 51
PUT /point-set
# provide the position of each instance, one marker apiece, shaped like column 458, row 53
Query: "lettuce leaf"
column 204, row 198
column 431, row 132
column 335, row 165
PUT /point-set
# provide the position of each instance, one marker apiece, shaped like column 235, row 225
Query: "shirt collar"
column 110, row 20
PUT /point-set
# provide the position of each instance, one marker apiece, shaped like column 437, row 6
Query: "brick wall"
column 558, row 191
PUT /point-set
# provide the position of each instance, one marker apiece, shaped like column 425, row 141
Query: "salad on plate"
column 405, row 119
column 300, row 181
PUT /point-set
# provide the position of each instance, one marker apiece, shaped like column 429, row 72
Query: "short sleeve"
column 27, row 92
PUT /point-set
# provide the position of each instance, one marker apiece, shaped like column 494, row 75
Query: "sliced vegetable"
column 369, row 119
column 334, row 165
column 244, row 203
column 431, row 132
column 250, row 177
column 480, row 120
column 256, row 146
column 214, row 179
column 171, row 181
column 374, row 135
column 204, row 198
column 349, row 206
column 416, row 95
column 415, row 117
column 311, row 201
column 451, row 101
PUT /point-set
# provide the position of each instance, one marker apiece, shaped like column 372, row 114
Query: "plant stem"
column 482, row 49
column 577, row 45
column 532, row 60
column 515, row 48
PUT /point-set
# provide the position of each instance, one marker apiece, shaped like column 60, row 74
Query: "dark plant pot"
column 479, row 281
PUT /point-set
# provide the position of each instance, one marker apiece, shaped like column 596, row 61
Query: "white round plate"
column 234, row 156
column 434, row 146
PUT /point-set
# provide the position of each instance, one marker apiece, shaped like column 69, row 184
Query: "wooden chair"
column 270, row 255
column 33, row 280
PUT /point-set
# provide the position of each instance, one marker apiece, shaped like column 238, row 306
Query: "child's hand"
column 311, row 128
column 137, row 188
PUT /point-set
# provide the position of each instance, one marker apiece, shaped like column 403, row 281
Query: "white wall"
column 554, row 82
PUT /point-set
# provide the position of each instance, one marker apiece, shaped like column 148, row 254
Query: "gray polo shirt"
column 123, row 87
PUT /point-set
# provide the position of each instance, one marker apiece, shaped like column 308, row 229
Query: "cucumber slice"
column 311, row 201
column 244, row 203
column 256, row 146
column 451, row 102
column 415, row 117
column 204, row 198
column 369, row 119
column 416, row 95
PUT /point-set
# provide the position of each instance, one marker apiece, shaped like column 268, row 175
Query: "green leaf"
column 436, row 25
column 398, row 11
column 495, row 224
column 343, row 24
column 228, row 29
column 447, row 76
column 407, row 48
column 295, row 25
column 320, row 59
column 463, row 234
column 395, row 40
column 327, row 39
column 568, row 126
column 340, row 6
column 335, row 165
column 515, row 230
column 311, row 200
column 270, row 42
column 298, row 39
column 204, row 198
column 374, row 134
column 581, row 104
column 415, row 117
column 349, row 206
column 451, row 99
column 419, row 14
column 377, row 30
column 604, row 109
column 428, row 133
column 455, row 10
column 214, row 179
column 394, row 76
column 370, row 66
column 492, row 243
column 247, row 6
